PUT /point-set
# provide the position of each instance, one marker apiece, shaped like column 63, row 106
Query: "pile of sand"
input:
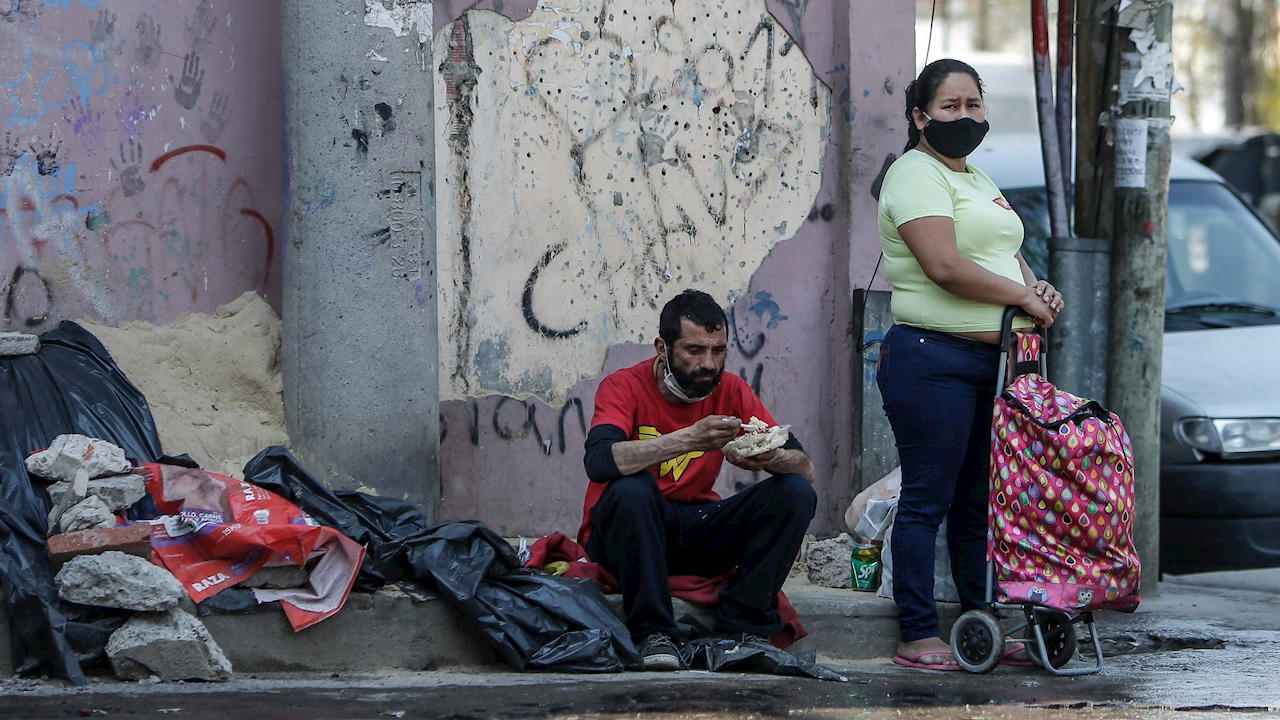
column 213, row 381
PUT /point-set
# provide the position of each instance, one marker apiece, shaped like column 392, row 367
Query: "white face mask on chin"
column 676, row 388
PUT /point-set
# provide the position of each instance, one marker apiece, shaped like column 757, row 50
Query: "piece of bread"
column 760, row 439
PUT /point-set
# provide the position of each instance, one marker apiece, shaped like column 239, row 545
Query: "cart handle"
column 1009, row 366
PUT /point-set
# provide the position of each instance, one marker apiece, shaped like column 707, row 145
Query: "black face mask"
column 955, row 138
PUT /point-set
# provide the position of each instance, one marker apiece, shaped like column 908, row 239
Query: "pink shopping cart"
column 1060, row 518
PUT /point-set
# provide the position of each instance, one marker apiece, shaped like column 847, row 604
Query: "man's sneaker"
column 659, row 652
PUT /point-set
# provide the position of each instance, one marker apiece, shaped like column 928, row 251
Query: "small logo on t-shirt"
column 1002, row 202
column 676, row 465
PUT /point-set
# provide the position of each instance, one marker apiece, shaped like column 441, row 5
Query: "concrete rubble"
column 85, row 468
column 75, row 492
column 117, row 491
column 161, row 640
column 68, row 454
column 117, row 580
column 828, row 561
column 14, row 343
column 87, row 514
column 170, row 645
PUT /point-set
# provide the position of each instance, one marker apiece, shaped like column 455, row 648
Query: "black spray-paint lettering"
column 530, row 423
column 23, row 286
column 519, row 430
column 737, row 338
column 526, row 299
column 582, row 420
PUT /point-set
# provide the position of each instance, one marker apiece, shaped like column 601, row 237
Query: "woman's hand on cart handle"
column 1035, row 306
column 1050, row 295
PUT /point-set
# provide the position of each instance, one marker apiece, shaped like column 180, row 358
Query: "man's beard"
column 698, row 383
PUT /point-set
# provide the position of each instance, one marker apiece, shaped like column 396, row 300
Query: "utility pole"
column 1125, row 76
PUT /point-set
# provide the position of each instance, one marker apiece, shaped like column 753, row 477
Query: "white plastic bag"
column 871, row 511
column 944, row 588
column 870, row 517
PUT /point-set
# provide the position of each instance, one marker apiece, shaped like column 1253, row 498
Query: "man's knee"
column 631, row 492
column 796, row 493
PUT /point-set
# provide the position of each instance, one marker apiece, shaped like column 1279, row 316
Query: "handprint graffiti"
column 130, row 169
column 148, row 47
column 201, row 26
column 46, row 155
column 187, row 90
column 215, row 121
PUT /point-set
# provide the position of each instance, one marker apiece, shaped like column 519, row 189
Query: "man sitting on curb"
column 652, row 455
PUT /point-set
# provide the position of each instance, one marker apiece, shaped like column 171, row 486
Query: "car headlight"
column 1230, row 436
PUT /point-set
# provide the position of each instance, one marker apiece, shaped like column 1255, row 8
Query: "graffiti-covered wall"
column 599, row 157
column 140, row 157
column 595, row 157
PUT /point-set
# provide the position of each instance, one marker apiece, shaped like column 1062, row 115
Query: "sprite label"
column 864, row 566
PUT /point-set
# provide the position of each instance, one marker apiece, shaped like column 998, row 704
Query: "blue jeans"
column 938, row 392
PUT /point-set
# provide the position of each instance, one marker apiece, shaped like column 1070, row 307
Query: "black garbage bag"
column 533, row 620
column 70, row 386
column 89, row 629
column 716, row 654
column 383, row 526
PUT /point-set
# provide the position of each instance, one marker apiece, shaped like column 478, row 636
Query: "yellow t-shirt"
column 988, row 232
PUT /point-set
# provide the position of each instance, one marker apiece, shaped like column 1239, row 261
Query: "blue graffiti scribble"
column 64, row 4
column 86, row 76
column 765, row 304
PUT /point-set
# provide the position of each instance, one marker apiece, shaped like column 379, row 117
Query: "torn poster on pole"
column 1131, row 152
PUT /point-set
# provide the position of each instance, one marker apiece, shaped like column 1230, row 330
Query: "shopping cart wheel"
column 977, row 642
column 1059, row 638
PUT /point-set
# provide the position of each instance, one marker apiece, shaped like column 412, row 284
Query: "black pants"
column 642, row 538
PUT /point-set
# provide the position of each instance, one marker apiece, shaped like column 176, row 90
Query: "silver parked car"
column 1220, row 394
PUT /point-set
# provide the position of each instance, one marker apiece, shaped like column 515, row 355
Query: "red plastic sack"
column 217, row 531
column 1061, row 498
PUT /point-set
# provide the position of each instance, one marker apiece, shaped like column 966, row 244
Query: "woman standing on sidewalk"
column 951, row 246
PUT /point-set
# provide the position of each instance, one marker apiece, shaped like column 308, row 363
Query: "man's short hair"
column 699, row 307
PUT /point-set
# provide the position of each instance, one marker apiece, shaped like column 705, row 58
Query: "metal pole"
column 1062, row 103
column 1059, row 224
column 360, row 371
column 1080, row 268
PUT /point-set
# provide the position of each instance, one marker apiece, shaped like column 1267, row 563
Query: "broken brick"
column 132, row 539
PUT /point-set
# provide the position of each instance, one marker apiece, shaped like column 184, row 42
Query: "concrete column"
column 1077, row 359
column 359, row 291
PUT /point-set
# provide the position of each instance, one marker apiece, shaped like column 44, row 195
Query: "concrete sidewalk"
column 389, row 630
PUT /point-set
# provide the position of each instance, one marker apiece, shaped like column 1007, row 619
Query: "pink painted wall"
column 517, row 464
column 141, row 158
